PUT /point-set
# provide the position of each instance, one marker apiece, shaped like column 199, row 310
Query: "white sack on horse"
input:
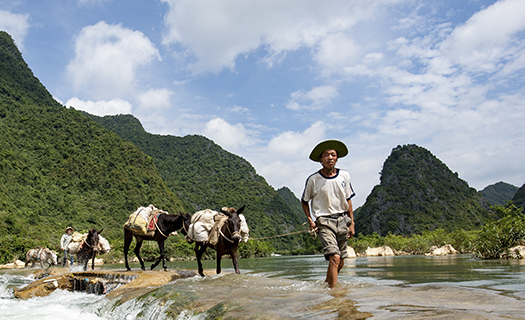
column 139, row 221
column 74, row 246
column 201, row 224
column 203, row 221
column 245, row 231
column 77, row 237
column 103, row 245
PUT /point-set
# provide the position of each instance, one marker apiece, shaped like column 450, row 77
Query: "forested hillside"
column 418, row 192
column 519, row 197
column 499, row 193
column 60, row 168
column 204, row 176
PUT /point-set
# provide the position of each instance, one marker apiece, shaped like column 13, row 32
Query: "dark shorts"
column 333, row 234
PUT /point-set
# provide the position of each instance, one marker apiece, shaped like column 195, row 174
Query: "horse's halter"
column 86, row 243
column 232, row 234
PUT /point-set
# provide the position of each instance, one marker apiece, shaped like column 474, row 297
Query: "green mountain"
column 294, row 203
column 519, row 197
column 499, row 193
column 418, row 192
column 205, row 176
column 60, row 168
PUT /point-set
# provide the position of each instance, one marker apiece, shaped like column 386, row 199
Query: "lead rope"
column 157, row 226
column 312, row 232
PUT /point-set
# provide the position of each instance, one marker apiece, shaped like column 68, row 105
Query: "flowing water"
column 401, row 287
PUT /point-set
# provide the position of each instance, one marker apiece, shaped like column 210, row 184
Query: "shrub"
column 505, row 231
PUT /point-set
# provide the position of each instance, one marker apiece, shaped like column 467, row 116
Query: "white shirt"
column 329, row 195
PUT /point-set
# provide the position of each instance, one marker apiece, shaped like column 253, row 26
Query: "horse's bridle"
column 85, row 242
column 233, row 234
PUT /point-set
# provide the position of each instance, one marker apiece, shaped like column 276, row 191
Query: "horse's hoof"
column 143, row 268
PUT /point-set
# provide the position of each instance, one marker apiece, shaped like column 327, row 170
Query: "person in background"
column 327, row 198
column 64, row 242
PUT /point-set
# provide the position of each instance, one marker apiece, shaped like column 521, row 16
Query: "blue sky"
column 268, row 80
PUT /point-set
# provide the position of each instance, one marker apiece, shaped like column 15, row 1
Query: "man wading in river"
column 330, row 193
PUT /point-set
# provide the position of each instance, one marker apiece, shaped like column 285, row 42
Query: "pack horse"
column 224, row 237
column 89, row 248
column 156, row 225
column 42, row 255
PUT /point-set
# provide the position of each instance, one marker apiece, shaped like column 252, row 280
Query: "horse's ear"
column 101, row 231
column 241, row 209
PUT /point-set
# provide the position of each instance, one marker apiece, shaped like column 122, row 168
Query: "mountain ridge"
column 499, row 193
column 418, row 192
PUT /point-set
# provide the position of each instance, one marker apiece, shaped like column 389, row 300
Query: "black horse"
column 166, row 224
column 89, row 249
column 229, row 237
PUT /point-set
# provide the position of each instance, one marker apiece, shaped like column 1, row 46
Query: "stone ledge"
column 112, row 283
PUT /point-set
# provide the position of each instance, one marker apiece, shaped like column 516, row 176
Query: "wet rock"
column 15, row 264
column 114, row 283
column 442, row 251
column 351, row 252
column 379, row 252
column 517, row 252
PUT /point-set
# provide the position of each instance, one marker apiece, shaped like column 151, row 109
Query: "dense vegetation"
column 60, row 168
column 499, row 193
column 519, row 197
column 505, row 231
column 205, row 176
column 418, row 193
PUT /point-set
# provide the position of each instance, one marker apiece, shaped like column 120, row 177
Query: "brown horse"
column 89, row 249
column 229, row 238
column 166, row 224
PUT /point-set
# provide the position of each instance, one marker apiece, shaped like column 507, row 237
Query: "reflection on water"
column 406, row 287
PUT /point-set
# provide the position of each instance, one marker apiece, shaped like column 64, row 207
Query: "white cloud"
column 155, row 99
column 230, row 137
column 238, row 110
column 17, row 25
column 488, row 37
column 291, row 144
column 213, row 34
column 315, row 99
column 337, row 51
column 107, row 58
column 101, row 108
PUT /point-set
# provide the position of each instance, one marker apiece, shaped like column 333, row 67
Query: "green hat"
column 328, row 145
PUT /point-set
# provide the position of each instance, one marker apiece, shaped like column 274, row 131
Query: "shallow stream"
column 401, row 287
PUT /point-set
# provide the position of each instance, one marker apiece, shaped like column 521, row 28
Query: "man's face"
column 329, row 158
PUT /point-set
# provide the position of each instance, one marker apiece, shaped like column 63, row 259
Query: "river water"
column 401, row 287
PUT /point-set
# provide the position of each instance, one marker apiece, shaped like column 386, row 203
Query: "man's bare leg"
column 335, row 264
